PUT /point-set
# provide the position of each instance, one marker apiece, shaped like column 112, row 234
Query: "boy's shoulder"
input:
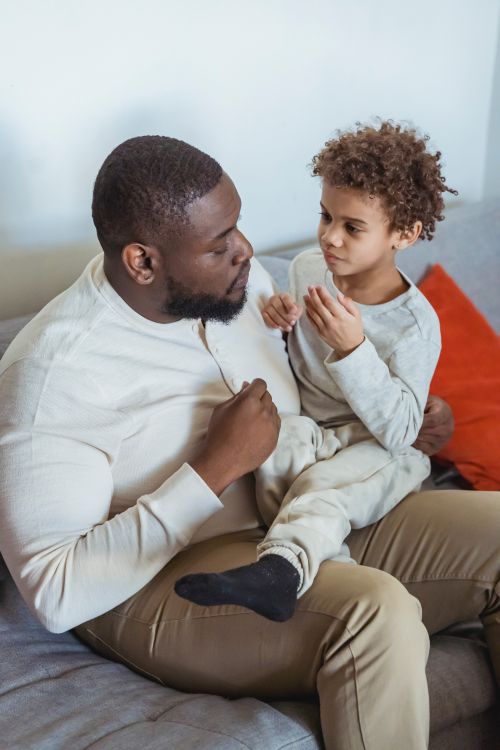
column 308, row 267
column 424, row 316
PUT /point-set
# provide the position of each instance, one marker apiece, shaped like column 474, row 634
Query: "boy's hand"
column 281, row 311
column 338, row 322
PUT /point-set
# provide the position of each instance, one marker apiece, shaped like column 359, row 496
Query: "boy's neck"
column 372, row 288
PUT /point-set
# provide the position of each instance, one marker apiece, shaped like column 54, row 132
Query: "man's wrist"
column 214, row 473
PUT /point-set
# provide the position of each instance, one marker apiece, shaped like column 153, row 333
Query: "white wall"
column 260, row 85
column 492, row 165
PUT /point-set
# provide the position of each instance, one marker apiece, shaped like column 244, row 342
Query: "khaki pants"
column 356, row 639
column 319, row 483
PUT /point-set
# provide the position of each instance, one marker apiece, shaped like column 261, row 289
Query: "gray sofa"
column 55, row 693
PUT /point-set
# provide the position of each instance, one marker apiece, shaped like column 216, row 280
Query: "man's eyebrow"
column 346, row 218
column 226, row 231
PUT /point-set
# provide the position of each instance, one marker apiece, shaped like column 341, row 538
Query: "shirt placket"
column 221, row 351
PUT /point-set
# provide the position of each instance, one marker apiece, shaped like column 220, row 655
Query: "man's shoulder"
column 59, row 332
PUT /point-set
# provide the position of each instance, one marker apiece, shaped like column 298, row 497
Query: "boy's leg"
column 328, row 492
column 356, row 639
column 444, row 547
column 355, row 487
column 269, row 585
column 301, row 443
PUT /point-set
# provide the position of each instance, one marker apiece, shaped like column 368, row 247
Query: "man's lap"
column 233, row 651
column 227, row 649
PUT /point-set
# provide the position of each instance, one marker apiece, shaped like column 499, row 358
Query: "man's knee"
column 364, row 597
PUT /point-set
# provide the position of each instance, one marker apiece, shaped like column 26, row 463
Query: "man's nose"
column 244, row 250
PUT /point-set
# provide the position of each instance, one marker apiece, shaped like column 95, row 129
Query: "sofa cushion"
column 468, row 378
column 56, row 693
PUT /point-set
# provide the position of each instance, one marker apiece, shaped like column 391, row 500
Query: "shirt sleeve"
column 388, row 398
column 69, row 558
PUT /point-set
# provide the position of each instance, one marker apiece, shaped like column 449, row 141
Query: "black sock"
column 268, row 587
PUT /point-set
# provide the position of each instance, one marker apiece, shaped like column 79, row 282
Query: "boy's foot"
column 268, row 587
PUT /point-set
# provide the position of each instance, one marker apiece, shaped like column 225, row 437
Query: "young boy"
column 363, row 354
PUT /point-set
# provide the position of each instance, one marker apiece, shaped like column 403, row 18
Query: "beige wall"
column 30, row 277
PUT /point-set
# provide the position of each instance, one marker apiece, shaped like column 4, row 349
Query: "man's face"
column 206, row 271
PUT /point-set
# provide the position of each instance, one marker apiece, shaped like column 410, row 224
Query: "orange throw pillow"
column 468, row 378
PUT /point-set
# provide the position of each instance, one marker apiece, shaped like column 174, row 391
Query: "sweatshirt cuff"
column 360, row 357
column 183, row 503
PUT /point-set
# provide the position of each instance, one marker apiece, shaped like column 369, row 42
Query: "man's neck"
column 134, row 295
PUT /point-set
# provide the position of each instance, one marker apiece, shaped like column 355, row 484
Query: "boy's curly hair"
column 392, row 163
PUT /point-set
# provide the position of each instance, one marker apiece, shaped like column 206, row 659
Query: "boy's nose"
column 333, row 238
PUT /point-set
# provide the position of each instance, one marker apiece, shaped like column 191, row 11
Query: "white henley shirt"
column 101, row 411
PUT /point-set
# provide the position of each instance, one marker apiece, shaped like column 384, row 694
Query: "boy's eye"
column 351, row 228
column 324, row 216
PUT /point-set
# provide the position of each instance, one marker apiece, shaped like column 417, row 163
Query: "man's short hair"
column 143, row 190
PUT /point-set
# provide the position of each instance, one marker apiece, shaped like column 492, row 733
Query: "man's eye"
column 220, row 252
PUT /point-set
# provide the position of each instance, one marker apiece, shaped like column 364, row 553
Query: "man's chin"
column 207, row 307
column 227, row 310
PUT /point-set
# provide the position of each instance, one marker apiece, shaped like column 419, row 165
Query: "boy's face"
column 354, row 232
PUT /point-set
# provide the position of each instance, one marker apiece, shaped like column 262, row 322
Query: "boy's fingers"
column 312, row 299
column 348, row 304
column 328, row 301
column 275, row 319
column 288, row 308
column 314, row 318
column 322, row 310
column 288, row 302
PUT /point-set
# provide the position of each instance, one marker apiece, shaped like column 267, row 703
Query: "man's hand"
column 242, row 433
column 437, row 427
column 281, row 311
column 338, row 322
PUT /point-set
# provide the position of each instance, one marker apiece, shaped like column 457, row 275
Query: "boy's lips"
column 332, row 258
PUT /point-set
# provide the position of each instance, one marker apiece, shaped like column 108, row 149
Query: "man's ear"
column 141, row 262
column 408, row 237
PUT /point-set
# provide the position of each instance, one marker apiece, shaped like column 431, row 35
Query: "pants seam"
column 208, row 615
column 358, row 703
column 178, row 619
column 444, row 579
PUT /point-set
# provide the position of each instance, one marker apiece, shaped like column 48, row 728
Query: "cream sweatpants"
column 319, row 483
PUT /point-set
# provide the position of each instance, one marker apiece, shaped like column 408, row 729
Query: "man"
column 133, row 410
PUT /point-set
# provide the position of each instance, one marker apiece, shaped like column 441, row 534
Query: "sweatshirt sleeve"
column 388, row 398
column 69, row 558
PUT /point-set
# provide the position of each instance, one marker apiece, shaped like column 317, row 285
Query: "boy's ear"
column 409, row 236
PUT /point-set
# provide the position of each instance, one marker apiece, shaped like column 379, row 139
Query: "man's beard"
column 183, row 303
